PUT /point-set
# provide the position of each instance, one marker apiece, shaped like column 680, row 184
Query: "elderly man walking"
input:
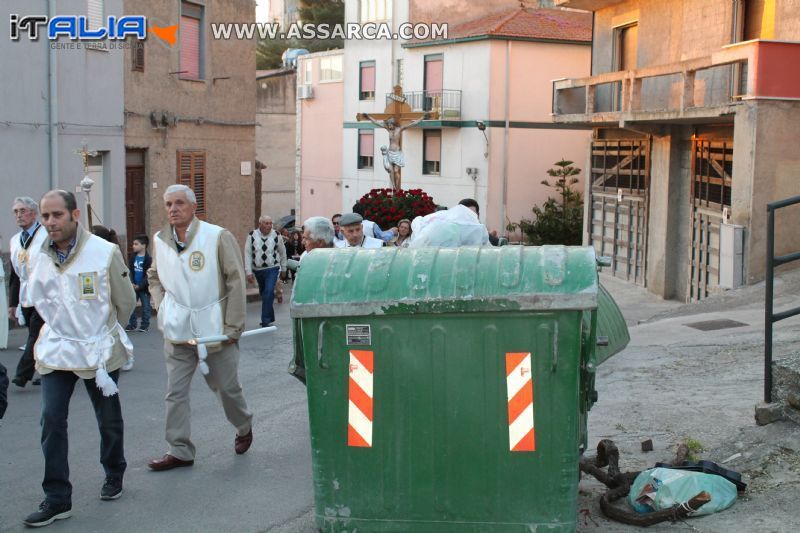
column 81, row 288
column 197, row 284
column 23, row 246
column 264, row 260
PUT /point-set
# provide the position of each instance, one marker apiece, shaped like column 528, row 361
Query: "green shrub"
column 556, row 222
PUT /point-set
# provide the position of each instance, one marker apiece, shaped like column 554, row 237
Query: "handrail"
column 770, row 316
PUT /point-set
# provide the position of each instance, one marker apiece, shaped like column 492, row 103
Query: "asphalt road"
column 267, row 487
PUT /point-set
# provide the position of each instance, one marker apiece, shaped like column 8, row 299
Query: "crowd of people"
column 78, row 298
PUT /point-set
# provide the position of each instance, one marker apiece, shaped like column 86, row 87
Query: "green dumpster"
column 448, row 388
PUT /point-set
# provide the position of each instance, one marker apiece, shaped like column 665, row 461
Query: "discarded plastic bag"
column 458, row 226
column 662, row 488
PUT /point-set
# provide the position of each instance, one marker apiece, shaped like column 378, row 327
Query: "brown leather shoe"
column 242, row 444
column 168, row 462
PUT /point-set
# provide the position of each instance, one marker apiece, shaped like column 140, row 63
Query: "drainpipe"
column 52, row 103
column 505, row 142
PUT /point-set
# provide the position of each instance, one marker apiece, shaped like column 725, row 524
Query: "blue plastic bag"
column 661, row 488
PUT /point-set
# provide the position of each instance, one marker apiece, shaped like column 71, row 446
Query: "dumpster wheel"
column 619, row 485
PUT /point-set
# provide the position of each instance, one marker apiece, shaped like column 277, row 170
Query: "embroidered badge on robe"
column 88, row 288
column 197, row 261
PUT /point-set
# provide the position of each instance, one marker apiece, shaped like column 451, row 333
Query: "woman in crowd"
column 404, row 233
column 294, row 249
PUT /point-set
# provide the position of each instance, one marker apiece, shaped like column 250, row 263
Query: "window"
column 137, row 55
column 367, row 81
column 308, row 63
column 97, row 195
column 431, row 151
column 434, row 67
column 191, row 66
column 366, row 149
column 192, row 173
column 330, row 68
column 94, row 13
column 398, row 74
column 375, row 10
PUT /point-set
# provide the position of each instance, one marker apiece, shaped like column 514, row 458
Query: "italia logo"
column 77, row 28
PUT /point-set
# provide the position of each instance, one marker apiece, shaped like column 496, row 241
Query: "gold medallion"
column 22, row 256
column 197, row 261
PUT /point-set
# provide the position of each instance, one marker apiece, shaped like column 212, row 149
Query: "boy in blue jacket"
column 138, row 263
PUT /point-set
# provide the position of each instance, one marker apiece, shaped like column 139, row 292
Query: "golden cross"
column 85, row 153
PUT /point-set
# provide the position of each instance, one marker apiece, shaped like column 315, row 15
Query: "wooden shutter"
column 94, row 13
column 137, row 56
column 192, row 173
column 190, row 48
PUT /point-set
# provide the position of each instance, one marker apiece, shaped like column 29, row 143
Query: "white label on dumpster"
column 358, row 335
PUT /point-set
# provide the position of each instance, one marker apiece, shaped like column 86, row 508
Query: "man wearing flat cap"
column 353, row 231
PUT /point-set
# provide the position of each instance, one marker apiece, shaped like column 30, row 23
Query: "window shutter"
column 94, row 13
column 190, row 48
column 433, row 76
column 367, row 78
column 366, row 144
column 433, row 145
column 192, row 173
column 199, row 182
column 137, row 56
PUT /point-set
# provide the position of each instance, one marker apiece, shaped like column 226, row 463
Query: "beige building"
column 694, row 107
column 275, row 140
column 190, row 115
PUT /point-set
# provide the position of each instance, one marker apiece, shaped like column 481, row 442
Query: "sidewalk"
column 676, row 382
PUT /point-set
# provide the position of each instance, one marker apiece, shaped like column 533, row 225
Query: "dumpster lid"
column 357, row 281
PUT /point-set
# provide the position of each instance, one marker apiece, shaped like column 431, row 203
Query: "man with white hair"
column 264, row 260
column 318, row 232
column 24, row 245
column 197, row 282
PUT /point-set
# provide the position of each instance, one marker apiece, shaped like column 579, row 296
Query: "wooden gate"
column 712, row 168
column 618, row 225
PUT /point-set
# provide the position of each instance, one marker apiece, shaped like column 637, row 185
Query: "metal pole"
column 768, row 305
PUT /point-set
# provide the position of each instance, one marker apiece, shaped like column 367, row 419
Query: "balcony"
column 446, row 103
column 695, row 89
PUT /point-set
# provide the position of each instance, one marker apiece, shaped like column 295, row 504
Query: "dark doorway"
column 135, row 199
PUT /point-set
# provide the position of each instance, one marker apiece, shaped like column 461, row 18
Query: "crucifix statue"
column 87, row 182
column 397, row 117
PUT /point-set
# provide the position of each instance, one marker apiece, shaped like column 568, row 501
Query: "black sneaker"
column 47, row 514
column 130, row 328
column 112, row 488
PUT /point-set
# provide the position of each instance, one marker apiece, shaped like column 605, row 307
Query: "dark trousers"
column 144, row 297
column 57, row 388
column 266, row 279
column 26, row 366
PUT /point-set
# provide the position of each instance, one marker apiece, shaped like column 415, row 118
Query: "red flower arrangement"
column 386, row 207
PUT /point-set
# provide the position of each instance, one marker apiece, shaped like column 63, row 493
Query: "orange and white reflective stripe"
column 359, row 415
column 519, row 380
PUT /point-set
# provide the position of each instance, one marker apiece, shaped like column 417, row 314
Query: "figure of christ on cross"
column 397, row 118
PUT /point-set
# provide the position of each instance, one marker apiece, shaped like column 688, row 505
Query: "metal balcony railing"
column 738, row 71
column 445, row 102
